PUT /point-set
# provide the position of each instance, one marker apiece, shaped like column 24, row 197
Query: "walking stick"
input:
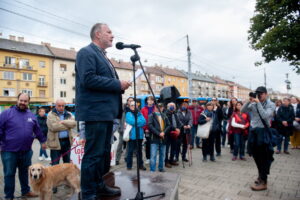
column 188, row 139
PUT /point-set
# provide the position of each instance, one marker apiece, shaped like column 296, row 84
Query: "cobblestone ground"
column 220, row 180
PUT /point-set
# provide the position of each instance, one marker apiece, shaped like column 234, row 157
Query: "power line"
column 43, row 22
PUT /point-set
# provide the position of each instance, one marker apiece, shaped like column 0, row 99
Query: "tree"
column 275, row 30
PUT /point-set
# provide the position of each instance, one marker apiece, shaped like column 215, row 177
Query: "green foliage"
column 275, row 30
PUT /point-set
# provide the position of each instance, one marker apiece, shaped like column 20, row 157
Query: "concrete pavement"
column 220, row 180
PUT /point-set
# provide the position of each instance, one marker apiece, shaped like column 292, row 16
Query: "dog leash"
column 62, row 155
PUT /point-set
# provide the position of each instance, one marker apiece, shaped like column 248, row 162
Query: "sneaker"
column 41, row 158
column 48, row 159
column 286, row 152
column 218, row 154
column 117, row 162
column 242, row 158
column 234, row 158
column 143, row 168
column 147, row 161
column 277, row 152
column 204, row 159
column 212, row 159
column 185, row 160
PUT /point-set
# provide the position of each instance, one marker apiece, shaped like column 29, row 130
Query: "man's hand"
column 125, row 85
column 82, row 142
column 254, row 99
column 178, row 130
column 62, row 122
column 208, row 119
column 284, row 123
column 162, row 135
column 297, row 119
column 44, row 146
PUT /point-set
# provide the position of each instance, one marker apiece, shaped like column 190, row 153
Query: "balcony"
column 42, row 84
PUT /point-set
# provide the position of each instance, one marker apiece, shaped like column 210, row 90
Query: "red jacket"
column 145, row 112
column 196, row 111
column 245, row 121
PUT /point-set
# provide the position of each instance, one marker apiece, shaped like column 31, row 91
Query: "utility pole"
column 189, row 67
column 288, row 83
column 265, row 77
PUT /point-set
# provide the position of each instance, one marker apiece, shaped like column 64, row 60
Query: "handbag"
column 271, row 136
column 126, row 134
column 296, row 125
column 174, row 134
column 204, row 129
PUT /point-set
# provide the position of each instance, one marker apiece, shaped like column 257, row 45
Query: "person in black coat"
column 285, row 117
column 172, row 135
column 185, row 117
column 159, row 125
column 42, row 120
column 219, row 117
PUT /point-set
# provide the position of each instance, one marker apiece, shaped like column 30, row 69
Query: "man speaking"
column 98, row 102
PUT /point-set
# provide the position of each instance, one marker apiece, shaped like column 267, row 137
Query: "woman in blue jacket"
column 132, row 144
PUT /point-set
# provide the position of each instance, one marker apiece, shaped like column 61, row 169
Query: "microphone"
column 121, row 45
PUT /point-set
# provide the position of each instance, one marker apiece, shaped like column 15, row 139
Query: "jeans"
column 43, row 152
column 162, row 152
column 64, row 147
column 224, row 132
column 194, row 134
column 97, row 146
column 286, row 143
column 131, row 147
column 239, row 145
column 11, row 161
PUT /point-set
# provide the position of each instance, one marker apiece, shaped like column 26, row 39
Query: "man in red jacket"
column 196, row 110
column 146, row 111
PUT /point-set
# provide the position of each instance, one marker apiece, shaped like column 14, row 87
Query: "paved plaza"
column 220, row 180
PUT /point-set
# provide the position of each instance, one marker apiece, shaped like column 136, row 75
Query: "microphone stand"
column 140, row 195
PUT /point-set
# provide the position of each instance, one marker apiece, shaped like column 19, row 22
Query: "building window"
column 10, row 61
column 63, row 81
column 8, row 75
column 42, row 93
column 27, row 91
column 24, row 64
column 42, row 81
column 27, row 77
column 63, row 94
column 9, row 92
column 42, row 64
column 63, row 67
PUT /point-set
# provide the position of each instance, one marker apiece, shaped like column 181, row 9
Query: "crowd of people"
column 173, row 130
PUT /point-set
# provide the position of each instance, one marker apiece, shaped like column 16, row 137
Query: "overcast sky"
column 217, row 32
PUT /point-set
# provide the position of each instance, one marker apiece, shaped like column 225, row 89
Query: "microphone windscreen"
column 119, row 45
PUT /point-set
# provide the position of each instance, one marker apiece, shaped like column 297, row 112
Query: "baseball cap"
column 261, row 89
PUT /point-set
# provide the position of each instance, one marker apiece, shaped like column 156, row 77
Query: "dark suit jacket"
column 98, row 93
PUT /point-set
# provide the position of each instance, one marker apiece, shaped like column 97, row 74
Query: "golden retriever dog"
column 44, row 179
